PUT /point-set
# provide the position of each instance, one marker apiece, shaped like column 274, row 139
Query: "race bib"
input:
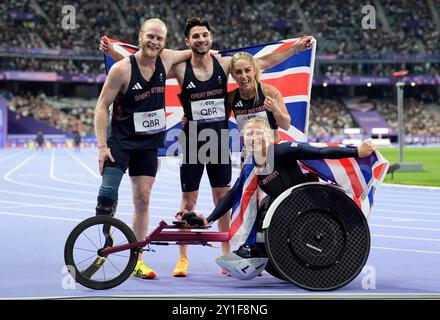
column 150, row 122
column 210, row 110
column 241, row 119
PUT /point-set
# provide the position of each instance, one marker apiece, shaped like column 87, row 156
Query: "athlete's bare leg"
column 141, row 186
column 224, row 221
column 188, row 203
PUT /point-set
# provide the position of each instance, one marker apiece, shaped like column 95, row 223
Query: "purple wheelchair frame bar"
column 180, row 237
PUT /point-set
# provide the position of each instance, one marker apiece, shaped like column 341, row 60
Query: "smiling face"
column 256, row 137
column 199, row 40
column 152, row 38
column 243, row 72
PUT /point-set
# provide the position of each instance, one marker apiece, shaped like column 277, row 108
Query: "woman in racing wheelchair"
column 277, row 170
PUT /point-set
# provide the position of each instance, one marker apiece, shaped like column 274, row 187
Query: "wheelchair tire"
column 318, row 238
column 89, row 227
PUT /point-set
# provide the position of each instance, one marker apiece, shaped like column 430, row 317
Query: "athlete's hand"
column 194, row 219
column 304, row 43
column 271, row 104
column 103, row 154
column 366, row 148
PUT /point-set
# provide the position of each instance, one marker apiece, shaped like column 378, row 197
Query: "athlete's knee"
column 111, row 180
column 108, row 191
column 142, row 201
column 106, row 206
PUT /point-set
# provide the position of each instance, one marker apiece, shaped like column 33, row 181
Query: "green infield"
column 429, row 157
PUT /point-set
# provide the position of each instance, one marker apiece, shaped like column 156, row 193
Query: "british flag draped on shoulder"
column 359, row 177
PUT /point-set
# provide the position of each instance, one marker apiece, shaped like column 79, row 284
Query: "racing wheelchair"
column 314, row 235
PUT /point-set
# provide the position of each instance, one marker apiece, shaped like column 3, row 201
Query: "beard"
column 201, row 52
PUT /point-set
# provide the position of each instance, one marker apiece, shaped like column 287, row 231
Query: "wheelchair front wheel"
column 82, row 253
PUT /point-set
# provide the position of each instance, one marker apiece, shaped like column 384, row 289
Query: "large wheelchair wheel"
column 318, row 238
column 270, row 269
column 82, row 253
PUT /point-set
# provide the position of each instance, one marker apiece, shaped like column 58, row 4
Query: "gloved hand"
column 194, row 219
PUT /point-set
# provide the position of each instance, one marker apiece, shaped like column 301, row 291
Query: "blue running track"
column 44, row 194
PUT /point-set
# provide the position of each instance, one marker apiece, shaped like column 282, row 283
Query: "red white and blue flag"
column 293, row 78
column 359, row 177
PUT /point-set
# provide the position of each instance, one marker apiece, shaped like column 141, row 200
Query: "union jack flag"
column 358, row 177
column 293, row 77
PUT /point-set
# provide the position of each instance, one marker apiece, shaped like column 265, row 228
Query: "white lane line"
column 396, row 211
column 163, row 182
column 424, row 191
column 398, row 206
column 31, row 185
column 53, row 177
column 12, row 214
column 38, row 216
column 91, row 210
column 93, row 202
column 386, row 186
column 13, row 170
column 92, row 185
column 17, row 167
column 402, row 227
column 387, row 199
column 406, row 250
column 43, row 196
column 92, row 172
column 17, row 205
column 87, row 152
column 409, row 186
column 8, row 156
column 406, row 238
